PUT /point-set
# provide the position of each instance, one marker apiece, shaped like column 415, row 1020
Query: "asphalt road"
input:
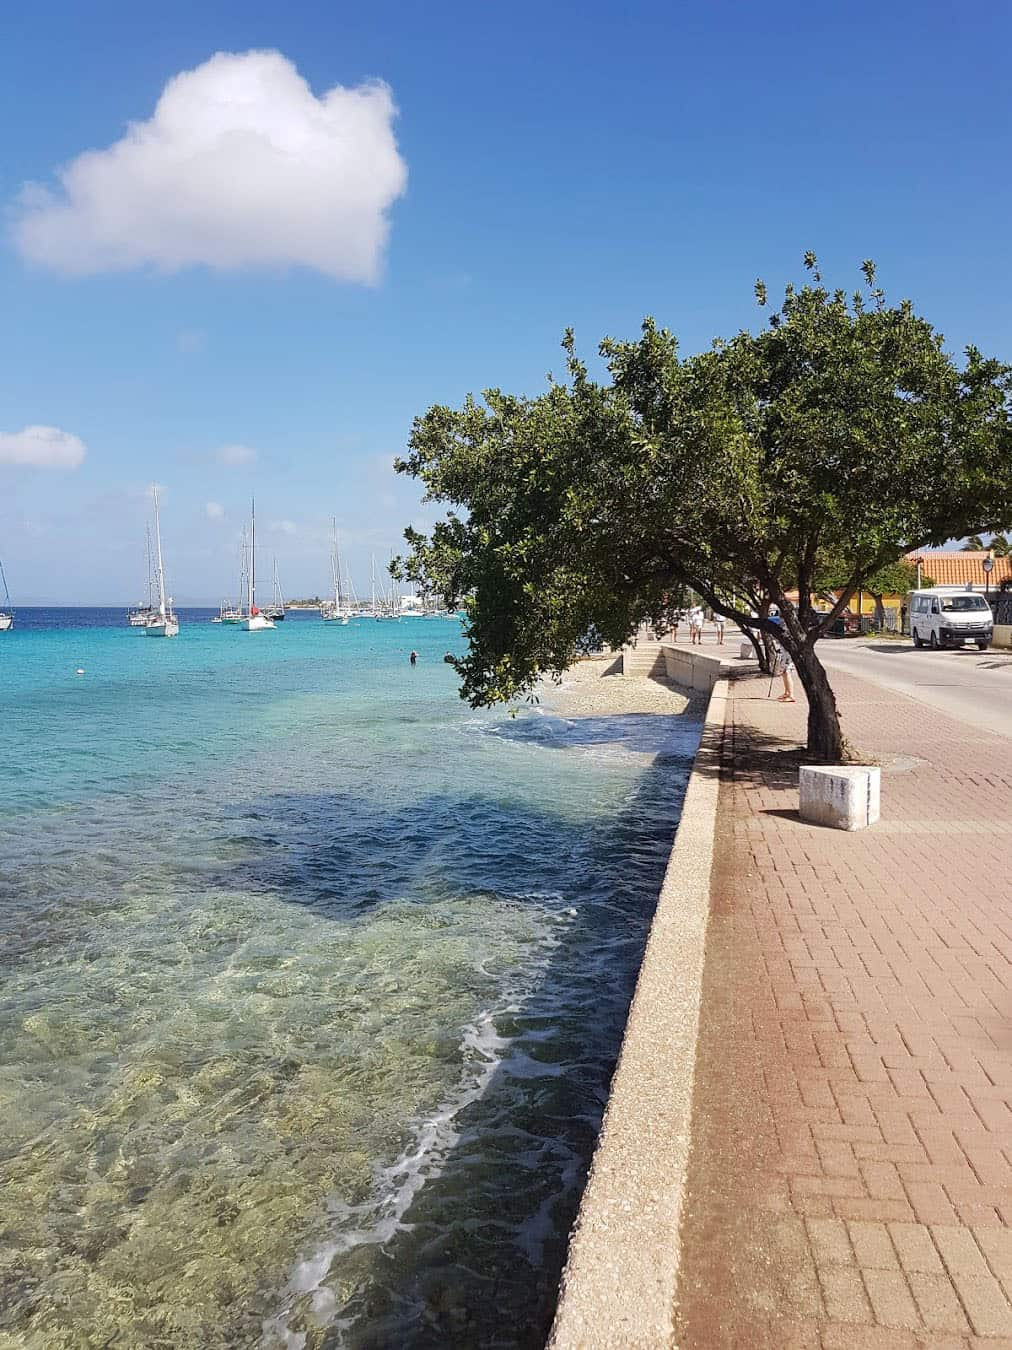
column 974, row 687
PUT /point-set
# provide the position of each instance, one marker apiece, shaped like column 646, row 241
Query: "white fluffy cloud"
column 235, row 455
column 240, row 165
column 283, row 526
column 214, row 510
column 41, row 448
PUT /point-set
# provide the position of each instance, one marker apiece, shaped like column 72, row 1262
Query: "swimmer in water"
column 414, row 658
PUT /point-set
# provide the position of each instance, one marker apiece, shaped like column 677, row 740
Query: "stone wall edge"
column 620, row 1282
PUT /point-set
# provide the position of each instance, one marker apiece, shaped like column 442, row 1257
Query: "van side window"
column 934, row 607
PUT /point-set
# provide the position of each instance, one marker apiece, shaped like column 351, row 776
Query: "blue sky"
column 565, row 164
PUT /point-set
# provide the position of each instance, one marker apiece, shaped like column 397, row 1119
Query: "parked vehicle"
column 949, row 616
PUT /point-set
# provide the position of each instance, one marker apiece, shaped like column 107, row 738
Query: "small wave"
column 375, row 1222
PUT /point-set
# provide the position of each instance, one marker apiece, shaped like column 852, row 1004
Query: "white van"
column 948, row 616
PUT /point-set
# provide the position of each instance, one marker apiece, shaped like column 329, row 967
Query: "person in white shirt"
column 718, row 620
column 696, row 626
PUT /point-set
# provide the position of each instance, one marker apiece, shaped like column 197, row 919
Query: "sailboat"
column 143, row 614
column 163, row 622
column 276, row 609
column 6, row 614
column 252, row 620
column 227, row 612
column 334, row 611
column 390, row 607
column 372, row 612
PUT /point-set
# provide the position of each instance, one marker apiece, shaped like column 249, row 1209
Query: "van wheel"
column 983, row 646
column 917, row 641
column 933, row 640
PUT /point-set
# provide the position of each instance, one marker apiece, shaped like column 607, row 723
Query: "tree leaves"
column 843, row 430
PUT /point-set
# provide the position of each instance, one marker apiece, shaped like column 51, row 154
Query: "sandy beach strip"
column 588, row 689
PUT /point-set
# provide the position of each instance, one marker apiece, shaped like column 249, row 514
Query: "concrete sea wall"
column 620, row 1281
column 691, row 667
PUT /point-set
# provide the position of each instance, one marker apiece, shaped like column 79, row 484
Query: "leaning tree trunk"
column 763, row 652
column 825, row 739
column 762, row 643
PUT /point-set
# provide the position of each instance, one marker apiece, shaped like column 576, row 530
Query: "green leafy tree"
column 1002, row 545
column 974, row 544
column 843, row 429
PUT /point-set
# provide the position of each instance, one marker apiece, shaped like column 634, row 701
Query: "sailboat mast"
column 337, row 555
column 243, row 567
column 372, row 570
column 252, row 545
column 335, row 568
column 158, row 552
column 148, row 566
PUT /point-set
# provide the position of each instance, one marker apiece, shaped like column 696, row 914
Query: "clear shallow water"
column 311, row 983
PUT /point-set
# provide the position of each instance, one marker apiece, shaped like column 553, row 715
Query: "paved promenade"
column 850, row 1184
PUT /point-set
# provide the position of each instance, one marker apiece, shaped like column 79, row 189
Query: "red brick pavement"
column 851, row 1175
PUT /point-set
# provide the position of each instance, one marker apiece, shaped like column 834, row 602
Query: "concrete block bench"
column 843, row 797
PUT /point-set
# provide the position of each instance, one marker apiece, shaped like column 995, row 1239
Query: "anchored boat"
column 276, row 609
column 335, row 611
column 252, row 620
column 163, row 622
column 6, row 614
column 143, row 614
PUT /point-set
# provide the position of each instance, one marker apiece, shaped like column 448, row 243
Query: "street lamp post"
column 988, row 566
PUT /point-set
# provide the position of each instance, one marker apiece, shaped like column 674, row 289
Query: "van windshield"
column 960, row 603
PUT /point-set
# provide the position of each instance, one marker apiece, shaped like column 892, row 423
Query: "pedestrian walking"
column 718, row 623
column 696, row 626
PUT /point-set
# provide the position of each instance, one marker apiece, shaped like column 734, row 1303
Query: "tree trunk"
column 880, row 613
column 825, row 739
column 761, row 642
column 760, row 646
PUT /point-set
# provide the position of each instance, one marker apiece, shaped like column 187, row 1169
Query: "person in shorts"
column 718, row 623
column 784, row 665
column 696, row 625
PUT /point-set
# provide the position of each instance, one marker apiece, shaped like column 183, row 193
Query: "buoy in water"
column 79, row 671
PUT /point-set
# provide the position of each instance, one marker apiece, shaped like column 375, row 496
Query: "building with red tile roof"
column 958, row 567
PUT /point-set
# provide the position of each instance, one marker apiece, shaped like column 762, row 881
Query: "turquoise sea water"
column 311, row 983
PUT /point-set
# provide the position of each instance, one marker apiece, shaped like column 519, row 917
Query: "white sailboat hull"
column 256, row 623
column 162, row 621
column 6, row 622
